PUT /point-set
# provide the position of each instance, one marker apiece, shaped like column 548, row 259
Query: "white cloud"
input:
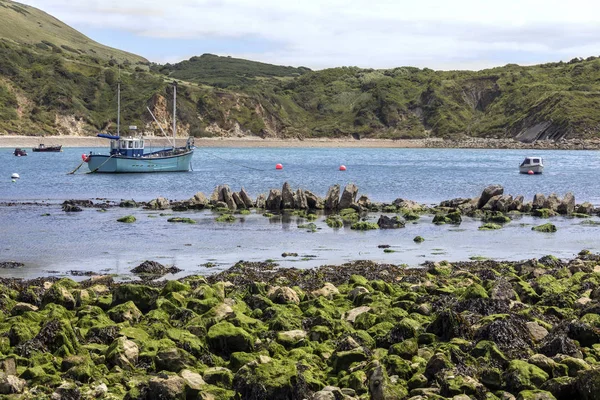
column 376, row 33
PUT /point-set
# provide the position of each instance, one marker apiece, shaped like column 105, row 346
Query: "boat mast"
column 174, row 112
column 119, row 103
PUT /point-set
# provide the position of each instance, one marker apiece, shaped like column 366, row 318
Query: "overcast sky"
column 439, row 34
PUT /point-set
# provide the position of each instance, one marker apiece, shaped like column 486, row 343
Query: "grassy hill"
column 28, row 25
column 225, row 72
column 56, row 89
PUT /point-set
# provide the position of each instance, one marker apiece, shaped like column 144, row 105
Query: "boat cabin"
column 532, row 161
column 129, row 147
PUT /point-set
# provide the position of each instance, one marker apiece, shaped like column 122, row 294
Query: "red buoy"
column 342, row 167
column 84, row 157
column 530, row 172
column 279, row 166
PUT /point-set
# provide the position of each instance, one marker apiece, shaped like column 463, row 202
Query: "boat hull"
column 119, row 164
column 537, row 169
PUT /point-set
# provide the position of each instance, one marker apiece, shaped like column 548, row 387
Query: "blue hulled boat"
column 127, row 154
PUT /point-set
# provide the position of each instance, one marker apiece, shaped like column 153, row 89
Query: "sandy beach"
column 27, row 142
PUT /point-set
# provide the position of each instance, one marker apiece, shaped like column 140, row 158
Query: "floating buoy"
column 15, row 176
column 530, row 172
column 85, row 157
column 14, row 180
column 342, row 167
column 279, row 166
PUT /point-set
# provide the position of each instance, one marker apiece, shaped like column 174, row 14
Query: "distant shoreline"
column 27, row 142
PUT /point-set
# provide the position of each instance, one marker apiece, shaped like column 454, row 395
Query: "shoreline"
column 27, row 142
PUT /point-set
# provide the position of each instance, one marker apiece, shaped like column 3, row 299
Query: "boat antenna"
column 158, row 123
column 174, row 112
column 119, row 102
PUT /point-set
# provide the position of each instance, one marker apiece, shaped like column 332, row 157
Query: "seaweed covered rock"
column 122, row 353
column 509, row 332
column 58, row 294
column 154, row 268
column 449, row 324
column 144, row 297
column 224, row 338
column 274, row 380
column 56, row 337
column 520, row 375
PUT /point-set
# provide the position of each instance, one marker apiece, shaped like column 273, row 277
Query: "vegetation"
column 59, row 81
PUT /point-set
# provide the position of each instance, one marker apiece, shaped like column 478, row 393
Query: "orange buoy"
column 530, row 172
column 342, row 167
column 279, row 166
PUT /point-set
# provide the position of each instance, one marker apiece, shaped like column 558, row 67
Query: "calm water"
column 92, row 240
column 425, row 175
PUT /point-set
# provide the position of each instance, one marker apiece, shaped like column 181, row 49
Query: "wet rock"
column 552, row 202
column 128, row 204
column 11, row 264
column 332, row 199
column 154, row 268
column 67, row 391
column 488, row 193
column 355, row 312
column 144, row 297
column 11, row 384
column 239, row 203
column 273, row 202
column 122, row 353
column 538, row 201
column 300, row 200
column 454, row 203
column 348, row 196
column 567, row 204
column 224, row 338
column 502, row 290
column 407, row 205
column 275, row 379
column 227, row 197
column 562, row 388
column 448, row 325
column 283, row 295
column 58, row 294
column 160, row 203
column 71, row 208
column 520, row 375
column 261, row 201
column 586, row 208
column 491, row 204
column 125, row 312
column 287, row 197
column 588, row 384
column 248, row 203
column 558, row 343
column 436, row 364
column 537, row 331
column 173, row 359
column 363, row 202
column 394, row 222
column 314, row 202
column 171, row 387
column 198, row 202
column 510, row 333
column 328, row 290
column 503, row 204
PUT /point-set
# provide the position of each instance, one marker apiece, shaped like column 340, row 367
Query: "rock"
column 128, row 204
column 437, row 363
column 538, row 201
column 122, row 353
column 328, row 290
column 160, row 203
column 287, row 197
column 227, row 197
column 219, row 376
column 504, row 203
column 516, row 204
column 491, row 204
column 567, row 204
column 11, row 384
column 291, row 338
column 125, row 312
column 557, row 342
column 154, row 268
column 586, row 208
column 502, row 290
column 216, row 196
column 314, row 202
column 172, row 359
column 537, row 331
column 198, row 202
column 67, row 391
column 394, row 222
column 535, row 395
column 357, row 291
column 348, row 196
column 407, row 205
column 172, row 388
column 58, row 294
column 277, row 380
column 261, row 201
column 283, row 295
column 364, row 202
column 144, row 297
column 300, row 200
column 488, row 193
column 355, row 312
column 449, row 324
column 237, row 199
column 547, row 227
column 193, row 382
column 273, row 202
column 224, row 338
column 520, row 375
column 552, row 202
column 248, row 203
column 21, row 308
column 454, row 203
column 588, row 384
column 332, row 199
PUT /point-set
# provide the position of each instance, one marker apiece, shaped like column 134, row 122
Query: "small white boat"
column 532, row 165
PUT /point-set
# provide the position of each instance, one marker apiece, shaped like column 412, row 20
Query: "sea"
column 49, row 242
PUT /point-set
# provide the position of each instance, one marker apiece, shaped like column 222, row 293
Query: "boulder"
column 313, row 201
column 173, row 359
column 224, row 338
column 21, row 308
column 273, row 202
column 248, row 203
column 287, row 196
column 198, row 202
column 171, row 387
column 363, row 202
column 348, row 196
column 154, row 268
column 538, row 201
column 218, row 376
column 516, row 204
column 504, row 202
column 144, row 297
column 567, row 204
column 283, row 295
column 193, row 382
column 586, row 208
column 237, row 199
column 260, row 201
column 520, row 375
column 122, row 353
column 407, row 205
column 386, row 222
column 491, row 203
column 488, row 193
column 537, row 331
column 216, row 196
column 552, row 202
column 300, row 200
column 11, row 384
column 125, row 312
column 58, row 294
column 332, row 199
column 351, row 315
column 160, row 203
column 227, row 197
column 276, row 380
column 328, row 290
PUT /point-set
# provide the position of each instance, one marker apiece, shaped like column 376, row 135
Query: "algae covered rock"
column 224, row 338
column 275, row 380
column 548, row 227
column 58, row 294
column 144, row 297
column 122, row 353
column 128, row 219
column 520, row 375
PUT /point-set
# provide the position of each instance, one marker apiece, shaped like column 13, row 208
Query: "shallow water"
column 424, row 175
column 94, row 241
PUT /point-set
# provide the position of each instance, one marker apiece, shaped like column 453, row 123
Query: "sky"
column 438, row 34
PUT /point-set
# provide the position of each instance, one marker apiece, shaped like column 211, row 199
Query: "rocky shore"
column 11, row 141
column 474, row 330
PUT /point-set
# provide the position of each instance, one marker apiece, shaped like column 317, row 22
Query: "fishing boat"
column 532, row 165
column 19, row 152
column 47, row 149
column 128, row 154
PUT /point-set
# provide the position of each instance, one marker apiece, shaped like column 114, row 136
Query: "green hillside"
column 225, row 72
column 55, row 89
column 28, row 25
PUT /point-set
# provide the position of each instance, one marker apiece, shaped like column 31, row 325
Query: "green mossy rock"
column 175, row 286
column 364, row 226
column 489, row 227
column 125, row 312
column 182, row 220
column 224, row 338
column 543, row 213
column 548, row 227
column 275, row 379
column 418, row 239
column 219, row 376
column 173, row 359
column 535, row 395
column 144, row 297
column 406, row 349
column 520, row 375
column 59, row 294
column 496, row 217
column 334, row 222
column 475, row 291
column 128, row 219
column 225, row 218
column 342, row 360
